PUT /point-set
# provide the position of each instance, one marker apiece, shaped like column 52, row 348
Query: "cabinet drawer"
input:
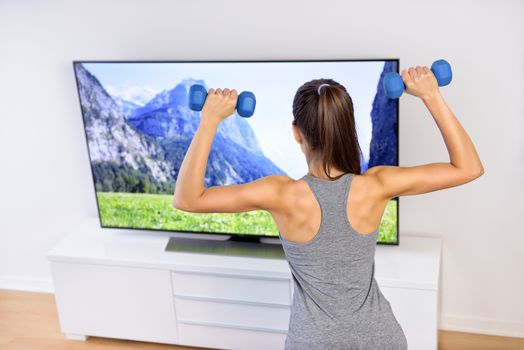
column 229, row 338
column 114, row 301
column 233, row 314
column 232, row 287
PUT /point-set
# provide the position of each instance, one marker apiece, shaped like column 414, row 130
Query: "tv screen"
column 138, row 127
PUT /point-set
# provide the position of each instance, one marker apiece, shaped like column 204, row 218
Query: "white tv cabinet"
column 122, row 284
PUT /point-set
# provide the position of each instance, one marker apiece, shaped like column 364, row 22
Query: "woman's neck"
column 319, row 172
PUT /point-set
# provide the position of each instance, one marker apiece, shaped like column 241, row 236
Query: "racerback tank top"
column 337, row 303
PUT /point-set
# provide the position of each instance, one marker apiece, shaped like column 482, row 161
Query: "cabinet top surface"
column 414, row 263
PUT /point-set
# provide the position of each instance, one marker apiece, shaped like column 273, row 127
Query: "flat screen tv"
column 138, row 127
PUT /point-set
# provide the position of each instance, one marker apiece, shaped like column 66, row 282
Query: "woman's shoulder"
column 288, row 188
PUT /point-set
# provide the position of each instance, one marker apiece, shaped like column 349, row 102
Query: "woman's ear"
column 296, row 134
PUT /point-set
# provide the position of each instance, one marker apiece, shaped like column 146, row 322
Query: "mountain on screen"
column 110, row 138
column 137, row 148
column 384, row 138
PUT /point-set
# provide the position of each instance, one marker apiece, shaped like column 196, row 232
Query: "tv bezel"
column 237, row 236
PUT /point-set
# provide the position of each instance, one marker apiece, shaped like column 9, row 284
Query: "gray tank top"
column 337, row 303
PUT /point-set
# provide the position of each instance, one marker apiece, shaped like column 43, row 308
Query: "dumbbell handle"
column 246, row 101
column 394, row 85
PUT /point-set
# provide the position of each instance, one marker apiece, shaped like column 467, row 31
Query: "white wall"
column 45, row 175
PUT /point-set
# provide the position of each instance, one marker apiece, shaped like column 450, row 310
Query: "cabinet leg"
column 72, row 336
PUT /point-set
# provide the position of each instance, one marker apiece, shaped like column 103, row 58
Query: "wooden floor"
column 28, row 321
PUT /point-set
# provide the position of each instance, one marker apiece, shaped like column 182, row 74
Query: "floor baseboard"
column 26, row 284
column 461, row 323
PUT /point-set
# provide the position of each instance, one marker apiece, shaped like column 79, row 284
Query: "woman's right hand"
column 420, row 82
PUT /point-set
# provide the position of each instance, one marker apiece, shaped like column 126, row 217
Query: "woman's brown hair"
column 326, row 119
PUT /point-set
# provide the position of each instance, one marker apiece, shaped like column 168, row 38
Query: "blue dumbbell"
column 246, row 101
column 394, row 85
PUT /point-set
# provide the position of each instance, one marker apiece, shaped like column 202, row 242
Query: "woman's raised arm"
column 464, row 165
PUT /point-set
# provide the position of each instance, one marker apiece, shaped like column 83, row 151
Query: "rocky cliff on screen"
column 383, row 146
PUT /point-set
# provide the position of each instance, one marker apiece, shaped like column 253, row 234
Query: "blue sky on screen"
column 274, row 85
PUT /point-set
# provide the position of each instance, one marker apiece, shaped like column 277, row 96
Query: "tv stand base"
column 228, row 247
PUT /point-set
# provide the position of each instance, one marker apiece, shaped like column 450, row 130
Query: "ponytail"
column 324, row 114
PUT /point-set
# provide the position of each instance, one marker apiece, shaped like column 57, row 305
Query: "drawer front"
column 416, row 310
column 115, row 301
column 233, row 314
column 229, row 338
column 232, row 287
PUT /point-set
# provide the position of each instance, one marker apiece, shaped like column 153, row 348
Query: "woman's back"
column 337, row 303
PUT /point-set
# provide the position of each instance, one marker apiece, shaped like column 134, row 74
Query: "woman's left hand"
column 219, row 104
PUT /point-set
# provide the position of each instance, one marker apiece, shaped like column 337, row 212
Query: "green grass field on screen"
column 154, row 211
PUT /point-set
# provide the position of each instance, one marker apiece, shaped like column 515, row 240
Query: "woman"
column 329, row 219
